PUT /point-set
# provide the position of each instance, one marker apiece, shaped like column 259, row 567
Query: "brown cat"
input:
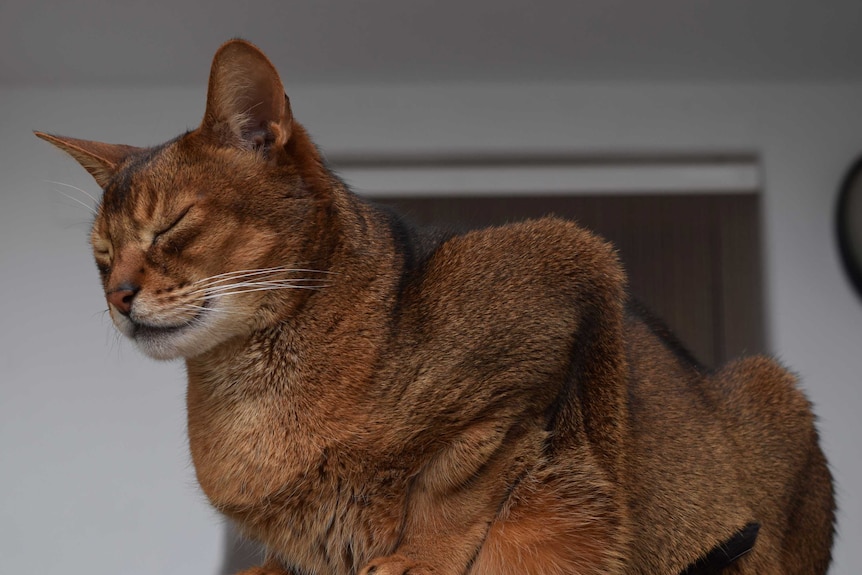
column 363, row 398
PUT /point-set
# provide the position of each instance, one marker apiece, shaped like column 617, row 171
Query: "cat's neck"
column 333, row 336
column 265, row 407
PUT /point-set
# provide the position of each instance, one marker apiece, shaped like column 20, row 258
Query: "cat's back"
column 750, row 405
column 739, row 440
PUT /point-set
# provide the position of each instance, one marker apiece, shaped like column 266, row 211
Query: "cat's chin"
column 185, row 340
column 167, row 344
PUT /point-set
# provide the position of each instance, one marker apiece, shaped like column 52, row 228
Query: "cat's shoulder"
column 546, row 262
column 549, row 244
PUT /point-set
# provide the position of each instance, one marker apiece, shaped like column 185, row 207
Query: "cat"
column 368, row 398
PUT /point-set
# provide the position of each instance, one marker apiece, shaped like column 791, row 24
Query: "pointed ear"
column 246, row 104
column 98, row 158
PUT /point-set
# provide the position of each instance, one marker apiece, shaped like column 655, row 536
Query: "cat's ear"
column 246, row 103
column 98, row 158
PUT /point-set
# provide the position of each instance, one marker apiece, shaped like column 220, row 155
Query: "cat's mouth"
column 141, row 327
column 147, row 332
column 164, row 335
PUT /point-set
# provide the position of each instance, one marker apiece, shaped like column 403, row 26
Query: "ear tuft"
column 246, row 104
column 98, row 158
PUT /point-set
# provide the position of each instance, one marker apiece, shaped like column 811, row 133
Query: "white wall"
column 93, row 466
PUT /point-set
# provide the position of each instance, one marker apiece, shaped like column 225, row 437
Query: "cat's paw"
column 395, row 565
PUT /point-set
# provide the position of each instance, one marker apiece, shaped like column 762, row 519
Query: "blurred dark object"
column 848, row 222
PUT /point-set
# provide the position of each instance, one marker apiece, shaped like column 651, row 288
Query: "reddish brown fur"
column 486, row 405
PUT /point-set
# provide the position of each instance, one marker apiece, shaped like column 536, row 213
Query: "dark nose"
column 121, row 297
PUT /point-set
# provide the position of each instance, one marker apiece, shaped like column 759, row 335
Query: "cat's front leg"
column 396, row 565
column 455, row 499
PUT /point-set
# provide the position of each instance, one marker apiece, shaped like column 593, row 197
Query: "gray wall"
column 93, row 466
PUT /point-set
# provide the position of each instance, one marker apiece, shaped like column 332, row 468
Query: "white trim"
column 668, row 178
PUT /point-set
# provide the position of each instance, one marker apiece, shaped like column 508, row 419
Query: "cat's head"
column 216, row 232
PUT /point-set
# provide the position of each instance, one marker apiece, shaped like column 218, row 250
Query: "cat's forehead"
column 128, row 180
column 148, row 177
column 143, row 188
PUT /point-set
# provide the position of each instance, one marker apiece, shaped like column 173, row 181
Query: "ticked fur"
column 366, row 398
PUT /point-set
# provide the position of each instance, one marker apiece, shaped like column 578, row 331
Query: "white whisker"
column 91, row 209
column 200, row 308
column 266, row 288
column 273, row 283
column 213, row 282
column 289, row 281
column 85, row 192
column 253, row 272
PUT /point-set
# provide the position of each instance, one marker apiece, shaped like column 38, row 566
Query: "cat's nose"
column 121, row 297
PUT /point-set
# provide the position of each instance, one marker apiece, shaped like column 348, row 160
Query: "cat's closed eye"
column 103, row 251
column 174, row 223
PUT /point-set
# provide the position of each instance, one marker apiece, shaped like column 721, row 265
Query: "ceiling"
column 328, row 41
